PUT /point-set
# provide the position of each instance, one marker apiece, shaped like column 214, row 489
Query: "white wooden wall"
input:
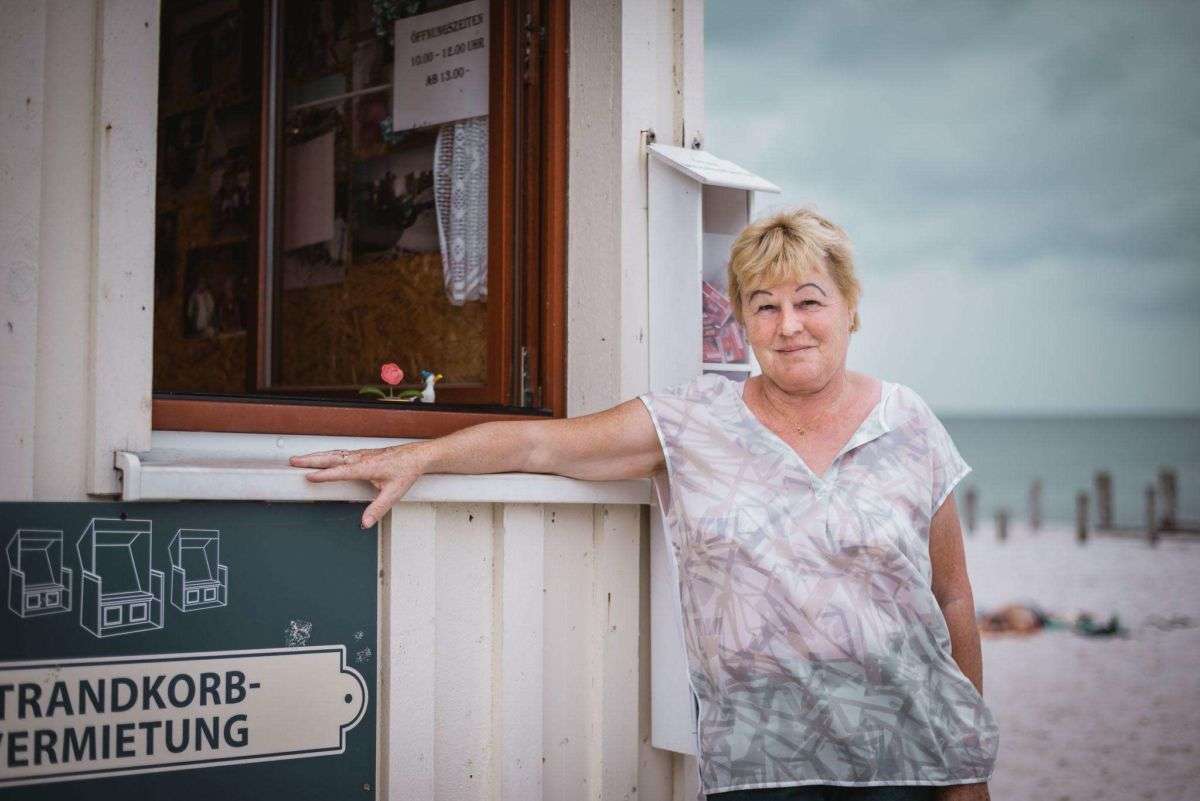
column 635, row 67
column 77, row 164
column 22, row 65
column 78, row 127
column 515, row 661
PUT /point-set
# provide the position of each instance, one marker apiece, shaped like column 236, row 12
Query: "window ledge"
column 213, row 466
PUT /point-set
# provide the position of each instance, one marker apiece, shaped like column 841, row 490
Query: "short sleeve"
column 672, row 410
column 948, row 465
column 660, row 482
column 666, row 412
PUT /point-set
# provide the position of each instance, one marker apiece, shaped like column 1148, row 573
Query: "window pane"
column 373, row 235
column 206, row 269
column 382, row 246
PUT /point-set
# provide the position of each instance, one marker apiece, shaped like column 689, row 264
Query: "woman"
column 828, row 617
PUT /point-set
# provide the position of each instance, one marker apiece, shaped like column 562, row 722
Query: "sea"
column 1006, row 454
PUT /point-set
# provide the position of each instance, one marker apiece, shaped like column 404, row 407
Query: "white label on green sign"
column 95, row 717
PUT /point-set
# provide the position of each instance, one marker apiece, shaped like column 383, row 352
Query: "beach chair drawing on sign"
column 119, row 591
column 38, row 584
column 198, row 579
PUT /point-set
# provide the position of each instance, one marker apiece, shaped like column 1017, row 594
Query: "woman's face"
column 799, row 330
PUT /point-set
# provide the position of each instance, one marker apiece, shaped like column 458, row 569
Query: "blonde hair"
column 788, row 244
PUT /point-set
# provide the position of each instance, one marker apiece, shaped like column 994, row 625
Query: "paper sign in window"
column 308, row 187
column 441, row 66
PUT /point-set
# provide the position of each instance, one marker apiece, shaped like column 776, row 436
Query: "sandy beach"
column 1085, row 718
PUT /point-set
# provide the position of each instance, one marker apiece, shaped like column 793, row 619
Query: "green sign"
column 188, row 650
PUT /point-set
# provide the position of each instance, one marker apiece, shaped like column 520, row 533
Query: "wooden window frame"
column 527, row 226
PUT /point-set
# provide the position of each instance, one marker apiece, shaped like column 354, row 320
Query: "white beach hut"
column 173, row 199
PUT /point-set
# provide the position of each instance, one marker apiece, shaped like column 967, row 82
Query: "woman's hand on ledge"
column 613, row 444
column 391, row 470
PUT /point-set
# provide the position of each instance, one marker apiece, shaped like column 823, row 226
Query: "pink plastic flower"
column 391, row 373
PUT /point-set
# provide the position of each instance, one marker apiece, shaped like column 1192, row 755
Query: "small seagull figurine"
column 427, row 394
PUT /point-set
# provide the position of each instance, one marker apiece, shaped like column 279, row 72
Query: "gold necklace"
column 801, row 430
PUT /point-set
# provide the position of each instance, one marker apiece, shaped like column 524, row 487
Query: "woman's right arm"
column 616, row 443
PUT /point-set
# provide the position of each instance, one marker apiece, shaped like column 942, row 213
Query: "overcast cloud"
column 1021, row 181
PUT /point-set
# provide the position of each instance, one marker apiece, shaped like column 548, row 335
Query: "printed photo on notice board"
column 441, row 66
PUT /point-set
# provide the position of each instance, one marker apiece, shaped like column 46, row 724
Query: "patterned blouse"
column 816, row 650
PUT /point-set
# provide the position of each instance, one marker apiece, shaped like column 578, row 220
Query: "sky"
column 1021, row 182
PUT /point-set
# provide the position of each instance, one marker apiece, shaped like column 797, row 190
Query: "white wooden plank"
column 654, row 764
column 702, row 166
column 463, row 652
column 595, row 203
column 410, row 635
column 675, row 329
column 568, row 664
column 122, row 294
column 217, row 466
column 179, row 476
column 672, row 722
column 614, row 754
column 667, row 98
column 517, row 662
column 689, row 70
column 687, row 777
column 64, row 277
column 22, row 65
column 639, row 111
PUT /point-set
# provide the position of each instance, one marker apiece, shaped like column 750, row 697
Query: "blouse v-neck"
column 872, row 426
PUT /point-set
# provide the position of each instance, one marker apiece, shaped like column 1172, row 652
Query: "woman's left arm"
column 952, row 588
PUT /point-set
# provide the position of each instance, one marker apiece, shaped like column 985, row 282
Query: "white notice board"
column 692, row 196
column 441, row 66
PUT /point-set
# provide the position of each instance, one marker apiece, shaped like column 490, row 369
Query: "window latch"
column 527, row 398
column 535, row 39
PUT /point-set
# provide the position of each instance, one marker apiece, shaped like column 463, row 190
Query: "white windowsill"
column 187, row 465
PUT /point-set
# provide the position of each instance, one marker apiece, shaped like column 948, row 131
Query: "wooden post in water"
column 1104, row 509
column 1035, row 504
column 1151, row 516
column 1166, row 494
column 972, row 507
column 1081, row 517
column 1001, row 525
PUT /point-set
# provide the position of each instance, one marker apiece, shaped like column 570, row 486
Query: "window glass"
column 206, row 259
column 367, row 275
column 298, row 251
